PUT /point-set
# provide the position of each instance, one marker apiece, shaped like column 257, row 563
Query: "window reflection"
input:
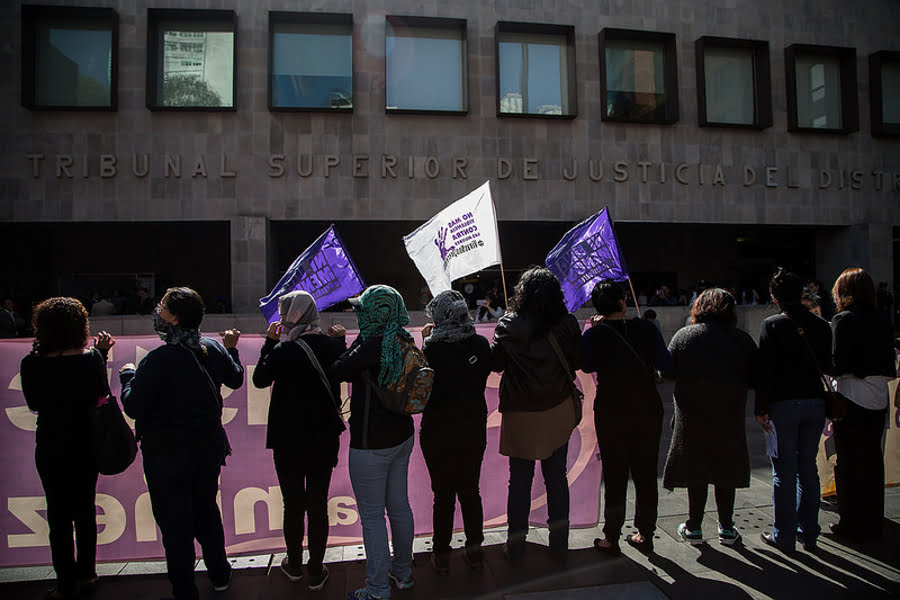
column 534, row 74
column 425, row 69
column 74, row 64
column 312, row 66
column 197, row 63
column 635, row 80
column 818, row 92
column 729, row 85
column 890, row 93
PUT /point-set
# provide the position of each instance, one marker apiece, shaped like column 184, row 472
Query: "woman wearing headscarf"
column 536, row 402
column 304, row 426
column 62, row 381
column 864, row 364
column 454, row 424
column 380, row 441
column 174, row 398
column 713, row 365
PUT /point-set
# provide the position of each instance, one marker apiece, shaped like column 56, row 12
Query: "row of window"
column 70, row 61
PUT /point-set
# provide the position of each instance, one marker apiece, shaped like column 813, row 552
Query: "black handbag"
column 112, row 438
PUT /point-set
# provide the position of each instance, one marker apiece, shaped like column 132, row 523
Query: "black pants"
column 304, row 488
column 70, row 488
column 518, row 503
column 455, row 474
column 629, row 445
column 697, row 506
column 183, row 487
column 859, row 471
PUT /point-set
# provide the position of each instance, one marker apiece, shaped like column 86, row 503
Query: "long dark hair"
column 59, row 324
column 539, row 296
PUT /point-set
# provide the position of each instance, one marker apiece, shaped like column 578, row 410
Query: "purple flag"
column 325, row 270
column 587, row 253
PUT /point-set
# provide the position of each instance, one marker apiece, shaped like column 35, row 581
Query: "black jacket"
column 863, row 343
column 385, row 429
column 534, row 378
column 786, row 368
column 456, row 413
column 171, row 399
column 301, row 415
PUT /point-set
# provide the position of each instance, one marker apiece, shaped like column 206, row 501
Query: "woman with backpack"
column 454, row 424
column 380, row 441
column 304, row 425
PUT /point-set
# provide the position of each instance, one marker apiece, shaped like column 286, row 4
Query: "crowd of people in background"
column 174, row 397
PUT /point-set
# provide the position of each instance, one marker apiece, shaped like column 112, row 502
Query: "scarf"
column 381, row 311
column 174, row 334
column 450, row 315
column 299, row 315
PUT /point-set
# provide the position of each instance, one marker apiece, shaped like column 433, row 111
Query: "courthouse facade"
column 208, row 142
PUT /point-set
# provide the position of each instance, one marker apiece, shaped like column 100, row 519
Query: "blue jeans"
column 518, row 503
column 795, row 490
column 379, row 482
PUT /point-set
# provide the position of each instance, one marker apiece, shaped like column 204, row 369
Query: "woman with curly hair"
column 536, row 402
column 380, row 441
column 62, row 381
column 864, row 364
column 713, row 364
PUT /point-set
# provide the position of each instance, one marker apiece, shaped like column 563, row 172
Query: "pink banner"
column 250, row 496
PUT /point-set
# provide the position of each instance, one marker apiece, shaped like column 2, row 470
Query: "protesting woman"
column 454, row 424
column 62, row 382
column 304, row 425
column 175, row 401
column 713, row 364
column 380, row 441
column 864, row 363
column 537, row 346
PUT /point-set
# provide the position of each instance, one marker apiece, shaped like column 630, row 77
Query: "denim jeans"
column 379, row 483
column 518, row 503
column 795, row 490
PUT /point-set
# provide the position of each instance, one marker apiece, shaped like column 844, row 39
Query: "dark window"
column 638, row 76
column 425, row 65
column 69, row 58
column 884, row 92
column 821, row 88
column 310, row 61
column 191, row 57
column 733, row 83
column 536, row 70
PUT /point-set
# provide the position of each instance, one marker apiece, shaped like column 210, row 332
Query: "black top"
column 385, row 429
column 534, row 378
column 63, row 390
column 456, row 413
column 863, row 343
column 628, row 382
column 301, row 413
column 172, row 400
column 786, row 369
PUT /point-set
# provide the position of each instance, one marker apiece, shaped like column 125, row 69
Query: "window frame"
column 32, row 15
column 155, row 16
column 435, row 23
column 762, row 80
column 568, row 31
column 847, row 69
column 277, row 17
column 670, row 70
column 876, row 93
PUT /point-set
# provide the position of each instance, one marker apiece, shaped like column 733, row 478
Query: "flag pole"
column 633, row 295
column 505, row 295
column 630, row 285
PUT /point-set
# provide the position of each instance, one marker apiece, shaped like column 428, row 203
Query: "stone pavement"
column 676, row 570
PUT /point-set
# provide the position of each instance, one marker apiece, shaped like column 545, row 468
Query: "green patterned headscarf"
column 381, row 311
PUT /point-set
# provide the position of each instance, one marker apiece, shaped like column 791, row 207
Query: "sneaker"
column 441, row 563
column 728, row 536
column 693, row 536
column 362, row 594
column 224, row 587
column 402, row 584
column 293, row 569
column 316, row 583
column 475, row 558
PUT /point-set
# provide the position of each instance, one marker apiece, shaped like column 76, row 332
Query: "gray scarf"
column 450, row 315
column 299, row 315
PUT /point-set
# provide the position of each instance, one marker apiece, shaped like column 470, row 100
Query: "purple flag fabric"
column 587, row 253
column 325, row 270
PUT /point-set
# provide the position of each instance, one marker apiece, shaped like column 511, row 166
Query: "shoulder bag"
column 837, row 405
column 577, row 394
column 314, row 361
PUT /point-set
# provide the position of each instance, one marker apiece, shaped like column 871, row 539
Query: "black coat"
column 713, row 365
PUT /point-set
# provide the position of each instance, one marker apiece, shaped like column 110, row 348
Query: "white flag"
column 460, row 240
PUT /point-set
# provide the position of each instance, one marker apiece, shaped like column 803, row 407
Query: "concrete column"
column 249, row 242
column 869, row 246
